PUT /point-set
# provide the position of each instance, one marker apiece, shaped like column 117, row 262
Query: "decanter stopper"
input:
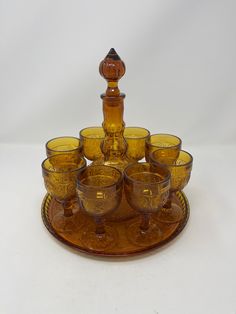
column 112, row 68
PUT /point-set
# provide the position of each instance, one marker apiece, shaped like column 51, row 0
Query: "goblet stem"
column 67, row 206
column 168, row 204
column 100, row 230
column 145, row 222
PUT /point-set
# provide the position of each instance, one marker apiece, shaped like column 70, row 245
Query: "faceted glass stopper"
column 112, row 68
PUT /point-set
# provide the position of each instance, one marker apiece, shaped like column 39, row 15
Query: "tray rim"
column 93, row 253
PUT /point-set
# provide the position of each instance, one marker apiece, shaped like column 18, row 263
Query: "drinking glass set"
column 90, row 178
column 148, row 186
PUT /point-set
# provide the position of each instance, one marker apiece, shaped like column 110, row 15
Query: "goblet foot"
column 66, row 224
column 99, row 242
column 140, row 237
column 170, row 215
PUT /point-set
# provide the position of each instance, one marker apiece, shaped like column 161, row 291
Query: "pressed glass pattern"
column 146, row 189
column 180, row 174
column 99, row 190
column 114, row 146
column 117, row 206
column 60, row 177
column 124, row 247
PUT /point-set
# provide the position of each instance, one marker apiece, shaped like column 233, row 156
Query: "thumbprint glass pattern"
column 146, row 189
column 135, row 138
column 180, row 174
column 100, row 190
column 60, row 176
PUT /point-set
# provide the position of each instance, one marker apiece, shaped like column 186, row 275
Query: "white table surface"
column 196, row 273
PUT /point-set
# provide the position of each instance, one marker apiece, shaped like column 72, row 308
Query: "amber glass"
column 162, row 141
column 60, row 177
column 146, row 189
column 135, row 138
column 123, row 246
column 180, row 175
column 114, row 147
column 100, row 190
column 65, row 144
column 103, row 219
column 91, row 139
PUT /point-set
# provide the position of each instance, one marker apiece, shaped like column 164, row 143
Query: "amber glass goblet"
column 100, row 190
column 163, row 141
column 91, row 139
column 180, row 174
column 60, row 178
column 64, row 145
column 146, row 189
column 135, row 138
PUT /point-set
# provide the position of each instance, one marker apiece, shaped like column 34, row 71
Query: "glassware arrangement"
column 115, row 204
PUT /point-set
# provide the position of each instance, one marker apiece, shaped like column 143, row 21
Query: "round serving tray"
column 124, row 247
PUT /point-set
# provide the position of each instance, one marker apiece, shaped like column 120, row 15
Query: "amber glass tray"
column 123, row 247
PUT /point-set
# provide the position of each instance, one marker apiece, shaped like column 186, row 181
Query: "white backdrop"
column 181, row 65
column 180, row 58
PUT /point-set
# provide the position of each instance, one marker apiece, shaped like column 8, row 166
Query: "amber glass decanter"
column 114, row 146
